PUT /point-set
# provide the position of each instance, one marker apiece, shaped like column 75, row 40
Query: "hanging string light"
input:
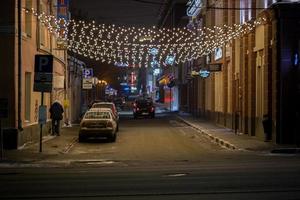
column 119, row 44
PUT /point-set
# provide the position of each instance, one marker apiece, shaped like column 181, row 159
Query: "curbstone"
column 217, row 140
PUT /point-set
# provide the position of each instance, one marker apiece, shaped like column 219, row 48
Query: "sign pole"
column 41, row 125
column 1, row 141
column 170, row 99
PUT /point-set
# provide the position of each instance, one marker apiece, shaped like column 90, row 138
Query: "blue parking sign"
column 88, row 73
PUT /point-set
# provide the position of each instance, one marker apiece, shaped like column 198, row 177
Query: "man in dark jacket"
column 56, row 110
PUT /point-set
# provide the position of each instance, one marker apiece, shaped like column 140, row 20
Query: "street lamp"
column 102, row 83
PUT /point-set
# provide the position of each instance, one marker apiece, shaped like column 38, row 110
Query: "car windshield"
column 102, row 105
column 144, row 103
column 97, row 115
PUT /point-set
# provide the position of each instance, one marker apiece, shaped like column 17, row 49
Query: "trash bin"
column 267, row 125
column 10, row 138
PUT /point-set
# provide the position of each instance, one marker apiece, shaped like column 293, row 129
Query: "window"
column 27, row 96
column 28, row 18
column 44, row 34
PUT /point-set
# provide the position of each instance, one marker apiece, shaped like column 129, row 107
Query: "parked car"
column 98, row 123
column 111, row 106
column 143, row 107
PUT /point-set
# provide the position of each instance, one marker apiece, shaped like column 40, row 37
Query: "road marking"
column 69, row 146
column 176, row 175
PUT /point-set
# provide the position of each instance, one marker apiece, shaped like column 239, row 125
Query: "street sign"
column 87, row 83
column 88, row 73
column 3, row 108
column 43, row 73
column 42, row 114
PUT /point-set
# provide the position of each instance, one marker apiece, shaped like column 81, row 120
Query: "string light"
column 119, row 44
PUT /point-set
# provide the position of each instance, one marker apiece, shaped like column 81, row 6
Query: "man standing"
column 56, row 110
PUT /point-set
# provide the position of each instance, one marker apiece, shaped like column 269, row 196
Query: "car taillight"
column 109, row 124
column 152, row 109
column 137, row 109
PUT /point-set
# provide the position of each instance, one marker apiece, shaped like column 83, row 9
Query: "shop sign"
column 215, row 67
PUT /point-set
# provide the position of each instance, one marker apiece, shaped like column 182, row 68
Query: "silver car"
column 109, row 105
column 98, row 123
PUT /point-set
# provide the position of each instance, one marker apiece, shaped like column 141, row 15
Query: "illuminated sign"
column 204, row 73
column 153, row 51
column 145, row 38
column 121, row 64
column 170, row 60
column 154, row 64
column 156, row 71
column 218, row 53
column 296, row 59
column 194, row 7
column 194, row 73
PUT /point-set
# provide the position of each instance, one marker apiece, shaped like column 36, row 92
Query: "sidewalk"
column 228, row 139
column 51, row 147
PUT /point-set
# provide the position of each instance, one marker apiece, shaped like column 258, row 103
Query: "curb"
column 215, row 139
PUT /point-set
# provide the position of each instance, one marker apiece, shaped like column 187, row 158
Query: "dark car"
column 143, row 107
column 119, row 102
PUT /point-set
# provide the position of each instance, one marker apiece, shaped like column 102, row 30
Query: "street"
column 159, row 158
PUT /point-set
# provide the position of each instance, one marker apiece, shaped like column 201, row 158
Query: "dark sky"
column 121, row 12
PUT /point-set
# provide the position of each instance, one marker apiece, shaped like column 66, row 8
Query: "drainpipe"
column 19, row 65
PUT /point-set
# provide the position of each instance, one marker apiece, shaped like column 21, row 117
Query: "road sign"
column 87, row 83
column 43, row 73
column 3, row 108
column 88, row 73
column 42, row 114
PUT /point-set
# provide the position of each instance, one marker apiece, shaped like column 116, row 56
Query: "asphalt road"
column 159, row 158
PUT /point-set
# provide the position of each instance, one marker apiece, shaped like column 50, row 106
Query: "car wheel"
column 117, row 128
column 152, row 115
column 135, row 116
column 113, row 137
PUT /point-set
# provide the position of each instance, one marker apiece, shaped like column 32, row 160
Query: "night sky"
column 120, row 12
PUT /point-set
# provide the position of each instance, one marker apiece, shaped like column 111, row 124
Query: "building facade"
column 22, row 37
column 259, row 78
